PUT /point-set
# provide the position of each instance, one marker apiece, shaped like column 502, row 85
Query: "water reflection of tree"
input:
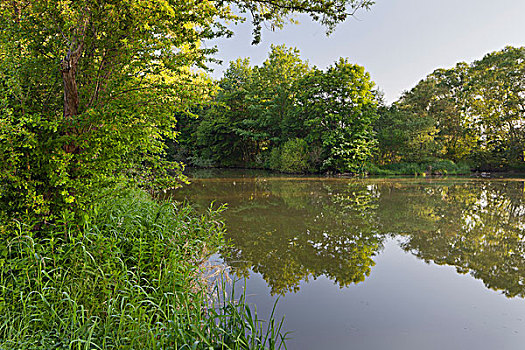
column 478, row 227
column 292, row 231
column 302, row 232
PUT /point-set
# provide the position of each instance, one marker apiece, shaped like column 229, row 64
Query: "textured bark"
column 71, row 100
column 69, row 76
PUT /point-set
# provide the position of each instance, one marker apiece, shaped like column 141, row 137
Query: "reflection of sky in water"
column 404, row 304
column 380, row 264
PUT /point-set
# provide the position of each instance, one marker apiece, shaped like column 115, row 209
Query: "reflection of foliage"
column 302, row 233
column 291, row 230
column 357, row 198
column 478, row 227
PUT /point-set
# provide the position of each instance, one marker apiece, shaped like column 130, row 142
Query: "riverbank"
column 440, row 167
column 130, row 276
column 434, row 168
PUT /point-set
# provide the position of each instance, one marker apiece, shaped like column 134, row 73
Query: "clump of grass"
column 128, row 277
column 225, row 323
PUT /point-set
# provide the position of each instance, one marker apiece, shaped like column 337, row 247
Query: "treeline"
column 472, row 113
column 284, row 115
column 288, row 116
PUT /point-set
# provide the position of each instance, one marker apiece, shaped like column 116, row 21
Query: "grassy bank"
column 442, row 167
column 128, row 277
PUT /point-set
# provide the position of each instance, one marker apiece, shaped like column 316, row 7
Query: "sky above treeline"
column 398, row 41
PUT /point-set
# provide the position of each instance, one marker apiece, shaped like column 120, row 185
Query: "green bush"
column 374, row 169
column 274, row 161
column 294, row 156
column 443, row 167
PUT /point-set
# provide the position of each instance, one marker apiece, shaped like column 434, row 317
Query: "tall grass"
column 128, row 277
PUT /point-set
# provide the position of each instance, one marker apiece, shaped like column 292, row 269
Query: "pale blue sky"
column 398, row 41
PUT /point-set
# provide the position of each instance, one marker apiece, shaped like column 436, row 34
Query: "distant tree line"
column 288, row 116
column 472, row 112
column 284, row 115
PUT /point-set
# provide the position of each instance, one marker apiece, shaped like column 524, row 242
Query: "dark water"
column 378, row 263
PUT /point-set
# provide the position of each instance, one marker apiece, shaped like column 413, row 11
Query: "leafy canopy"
column 90, row 89
column 471, row 112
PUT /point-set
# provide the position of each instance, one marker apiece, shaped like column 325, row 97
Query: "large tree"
column 339, row 107
column 253, row 111
column 89, row 88
column 272, row 101
column 221, row 136
column 468, row 112
column 496, row 93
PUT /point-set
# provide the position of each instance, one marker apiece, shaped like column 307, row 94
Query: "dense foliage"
column 466, row 117
column 89, row 90
column 287, row 116
column 339, row 108
column 471, row 113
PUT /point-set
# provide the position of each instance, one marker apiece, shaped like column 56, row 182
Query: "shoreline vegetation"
column 434, row 168
column 130, row 276
column 287, row 116
column 429, row 168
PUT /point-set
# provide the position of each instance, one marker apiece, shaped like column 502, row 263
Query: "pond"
column 405, row 263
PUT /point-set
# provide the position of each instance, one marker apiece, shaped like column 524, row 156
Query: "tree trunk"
column 69, row 73
column 71, row 100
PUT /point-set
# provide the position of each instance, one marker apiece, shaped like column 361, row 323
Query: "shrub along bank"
column 128, row 277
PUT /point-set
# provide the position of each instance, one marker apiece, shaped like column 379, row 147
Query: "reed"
column 128, row 277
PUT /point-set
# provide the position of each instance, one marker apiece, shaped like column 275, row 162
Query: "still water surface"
column 378, row 263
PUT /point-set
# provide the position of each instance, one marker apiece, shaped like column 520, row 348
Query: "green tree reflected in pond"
column 477, row 226
column 295, row 229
